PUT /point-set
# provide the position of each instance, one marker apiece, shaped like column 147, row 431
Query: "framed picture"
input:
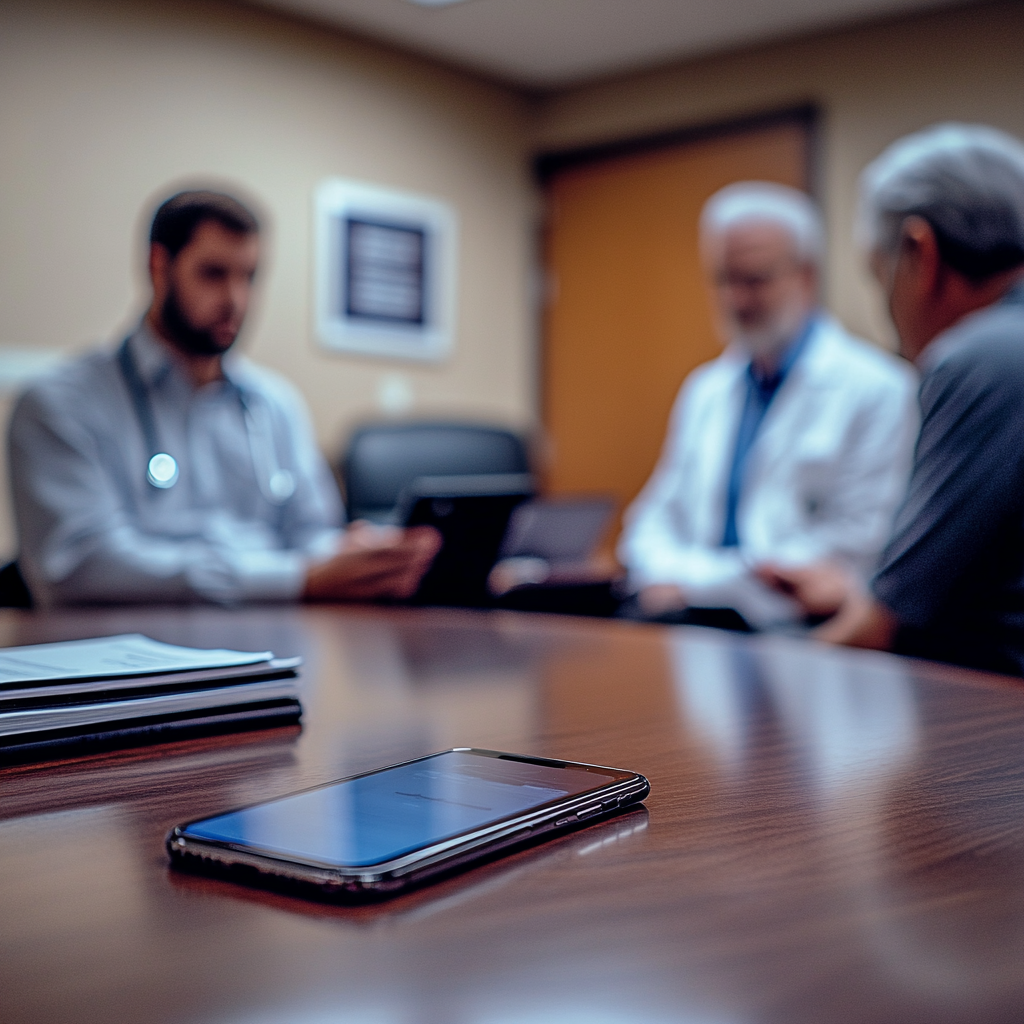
column 385, row 272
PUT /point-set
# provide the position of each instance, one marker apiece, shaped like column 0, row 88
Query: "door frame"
column 548, row 163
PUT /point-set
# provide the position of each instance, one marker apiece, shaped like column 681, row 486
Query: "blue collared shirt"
column 93, row 529
column 760, row 390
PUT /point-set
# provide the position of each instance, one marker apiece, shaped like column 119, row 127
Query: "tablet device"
column 471, row 513
column 562, row 531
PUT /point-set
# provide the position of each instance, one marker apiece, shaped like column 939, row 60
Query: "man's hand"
column 660, row 599
column 821, row 589
column 373, row 563
column 828, row 590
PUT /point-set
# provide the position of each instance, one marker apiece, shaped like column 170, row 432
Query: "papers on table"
column 41, row 719
column 56, row 691
column 129, row 688
column 105, row 657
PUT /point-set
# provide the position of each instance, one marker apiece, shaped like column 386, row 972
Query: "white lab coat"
column 823, row 478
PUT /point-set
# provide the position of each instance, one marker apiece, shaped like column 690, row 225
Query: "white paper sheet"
column 129, row 654
column 56, row 691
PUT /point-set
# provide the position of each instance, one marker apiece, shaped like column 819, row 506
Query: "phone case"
column 329, row 882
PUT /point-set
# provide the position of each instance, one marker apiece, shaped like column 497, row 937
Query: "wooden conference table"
column 831, row 836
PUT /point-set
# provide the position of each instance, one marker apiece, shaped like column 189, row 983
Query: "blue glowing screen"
column 372, row 819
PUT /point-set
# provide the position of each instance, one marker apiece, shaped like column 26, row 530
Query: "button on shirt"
column 92, row 528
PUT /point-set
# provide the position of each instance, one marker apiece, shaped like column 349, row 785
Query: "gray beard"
column 773, row 338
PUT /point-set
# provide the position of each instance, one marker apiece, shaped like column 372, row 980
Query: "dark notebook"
column 124, row 689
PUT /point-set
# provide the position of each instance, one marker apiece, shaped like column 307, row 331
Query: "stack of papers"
column 129, row 688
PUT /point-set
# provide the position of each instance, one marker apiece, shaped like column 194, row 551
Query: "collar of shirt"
column 768, row 384
column 1015, row 295
column 155, row 363
column 945, row 341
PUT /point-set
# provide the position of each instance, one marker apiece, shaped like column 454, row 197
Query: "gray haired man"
column 793, row 445
column 942, row 215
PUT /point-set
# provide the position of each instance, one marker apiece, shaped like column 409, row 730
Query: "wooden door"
column 628, row 313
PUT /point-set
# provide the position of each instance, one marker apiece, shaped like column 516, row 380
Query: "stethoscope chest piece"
column 277, row 486
column 162, row 470
column 282, row 485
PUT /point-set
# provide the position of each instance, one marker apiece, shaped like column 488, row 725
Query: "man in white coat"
column 792, row 446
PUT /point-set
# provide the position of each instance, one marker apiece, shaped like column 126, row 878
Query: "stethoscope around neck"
column 162, row 471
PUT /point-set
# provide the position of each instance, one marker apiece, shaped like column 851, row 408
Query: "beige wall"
column 872, row 85
column 103, row 104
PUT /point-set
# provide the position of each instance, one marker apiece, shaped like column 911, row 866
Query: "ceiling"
column 548, row 44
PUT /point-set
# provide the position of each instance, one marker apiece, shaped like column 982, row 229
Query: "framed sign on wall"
column 385, row 272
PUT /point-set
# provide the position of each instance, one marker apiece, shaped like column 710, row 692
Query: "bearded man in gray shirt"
column 943, row 215
column 172, row 469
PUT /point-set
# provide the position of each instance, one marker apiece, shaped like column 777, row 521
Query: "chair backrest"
column 384, row 458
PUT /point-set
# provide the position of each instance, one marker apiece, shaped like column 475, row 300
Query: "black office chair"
column 383, row 458
column 13, row 591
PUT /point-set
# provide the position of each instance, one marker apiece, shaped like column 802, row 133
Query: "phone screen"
column 376, row 817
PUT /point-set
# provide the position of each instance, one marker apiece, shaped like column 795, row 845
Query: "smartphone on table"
column 381, row 832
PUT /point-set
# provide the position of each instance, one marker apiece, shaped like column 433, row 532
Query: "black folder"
column 122, row 690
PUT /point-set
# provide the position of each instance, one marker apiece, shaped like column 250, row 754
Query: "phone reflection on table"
column 610, row 837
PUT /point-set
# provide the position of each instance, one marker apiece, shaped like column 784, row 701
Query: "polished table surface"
column 830, row 836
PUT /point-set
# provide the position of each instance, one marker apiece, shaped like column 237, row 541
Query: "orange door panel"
column 629, row 313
